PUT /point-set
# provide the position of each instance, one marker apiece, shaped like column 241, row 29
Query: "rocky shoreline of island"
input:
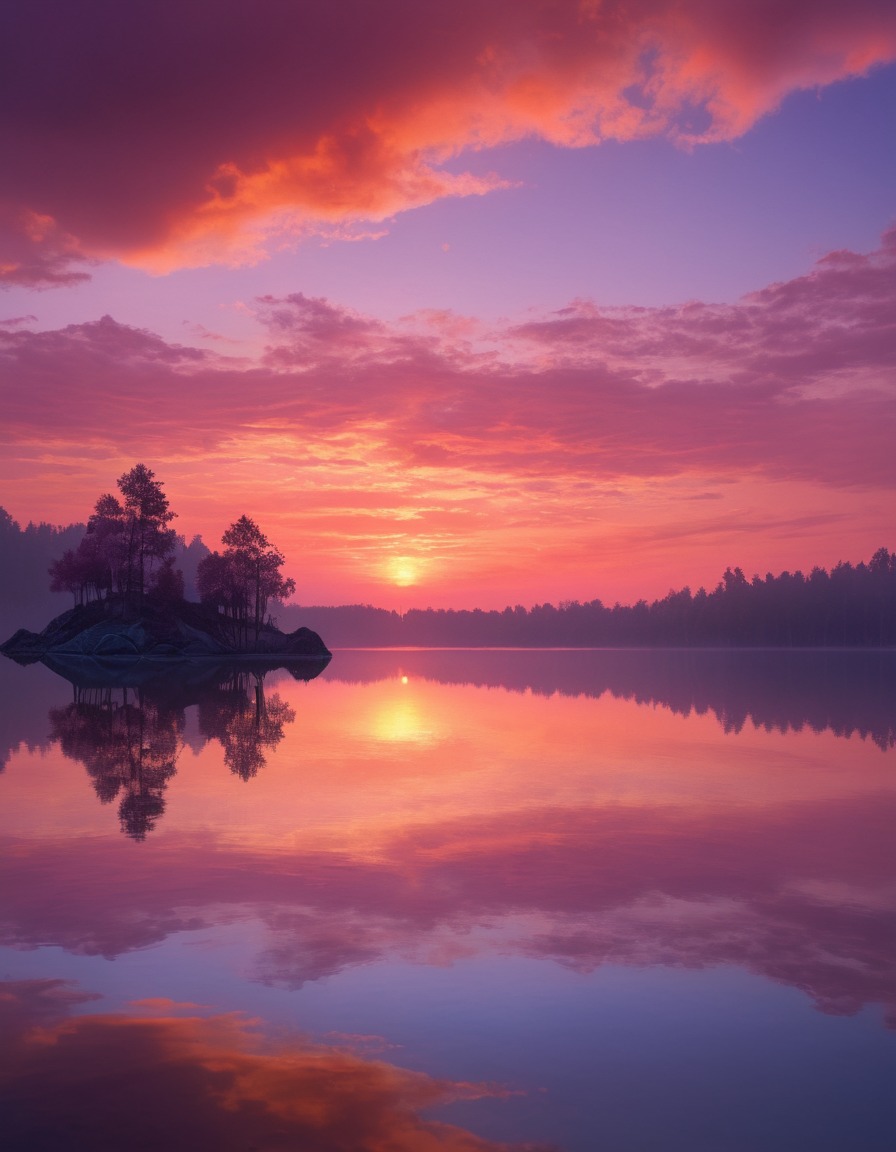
column 113, row 629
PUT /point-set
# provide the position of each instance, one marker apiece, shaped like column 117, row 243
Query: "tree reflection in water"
column 129, row 745
column 244, row 721
column 129, row 737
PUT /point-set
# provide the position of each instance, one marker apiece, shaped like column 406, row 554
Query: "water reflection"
column 846, row 692
column 442, row 820
column 128, row 743
column 849, row 693
column 799, row 893
column 245, row 721
column 163, row 1077
column 125, row 724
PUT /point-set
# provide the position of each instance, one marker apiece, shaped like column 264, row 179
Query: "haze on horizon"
column 471, row 305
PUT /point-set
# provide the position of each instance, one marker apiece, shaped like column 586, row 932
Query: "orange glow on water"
column 358, row 763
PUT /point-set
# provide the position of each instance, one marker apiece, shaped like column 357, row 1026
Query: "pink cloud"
column 792, row 382
column 312, row 118
column 36, row 252
column 800, row 333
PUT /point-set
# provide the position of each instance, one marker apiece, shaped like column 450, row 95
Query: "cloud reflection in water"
column 164, row 1076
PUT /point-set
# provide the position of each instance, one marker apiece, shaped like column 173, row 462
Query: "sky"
column 466, row 304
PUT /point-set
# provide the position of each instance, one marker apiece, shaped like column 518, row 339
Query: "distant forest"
column 26, row 555
column 850, row 606
column 853, row 605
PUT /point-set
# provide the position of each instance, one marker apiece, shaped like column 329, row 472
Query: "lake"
column 453, row 901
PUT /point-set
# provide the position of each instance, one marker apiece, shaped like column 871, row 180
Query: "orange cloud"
column 309, row 118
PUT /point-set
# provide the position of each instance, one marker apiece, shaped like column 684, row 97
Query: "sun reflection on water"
column 400, row 719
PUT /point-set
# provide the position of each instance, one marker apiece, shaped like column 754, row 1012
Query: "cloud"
column 818, row 333
column 483, row 451
column 793, row 382
column 188, row 1081
column 315, row 119
column 36, row 252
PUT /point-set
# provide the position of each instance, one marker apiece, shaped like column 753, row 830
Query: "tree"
column 93, row 569
column 169, row 584
column 146, row 519
column 106, row 541
column 124, row 542
column 243, row 579
column 66, row 575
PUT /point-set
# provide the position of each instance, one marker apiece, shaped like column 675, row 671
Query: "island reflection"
column 126, row 721
column 129, row 745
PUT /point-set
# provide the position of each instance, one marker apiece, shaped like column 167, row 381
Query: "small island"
column 129, row 598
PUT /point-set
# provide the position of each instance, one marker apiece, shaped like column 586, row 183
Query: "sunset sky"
column 466, row 303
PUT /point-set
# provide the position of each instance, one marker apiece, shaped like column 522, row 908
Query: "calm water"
column 453, row 901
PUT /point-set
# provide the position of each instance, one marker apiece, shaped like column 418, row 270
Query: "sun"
column 403, row 571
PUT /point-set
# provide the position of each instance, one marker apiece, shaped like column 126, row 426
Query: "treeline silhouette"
column 25, row 558
column 27, row 555
column 853, row 605
column 850, row 606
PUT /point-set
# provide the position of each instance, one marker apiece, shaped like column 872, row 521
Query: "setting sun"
column 403, row 571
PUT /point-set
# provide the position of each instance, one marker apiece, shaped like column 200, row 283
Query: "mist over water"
column 451, row 900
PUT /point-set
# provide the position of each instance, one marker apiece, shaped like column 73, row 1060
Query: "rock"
column 115, row 644
column 109, row 628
